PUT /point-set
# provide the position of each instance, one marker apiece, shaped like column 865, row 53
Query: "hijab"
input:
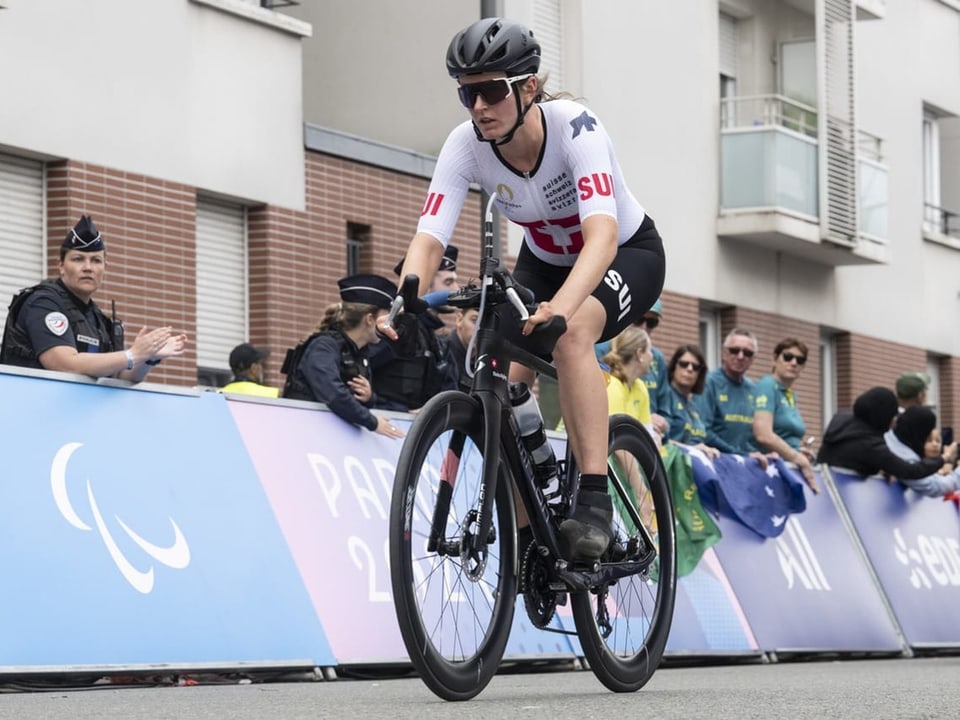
column 876, row 407
column 914, row 427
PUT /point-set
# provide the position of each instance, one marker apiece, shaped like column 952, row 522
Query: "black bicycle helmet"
column 491, row 45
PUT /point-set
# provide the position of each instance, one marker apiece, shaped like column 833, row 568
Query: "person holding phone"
column 915, row 437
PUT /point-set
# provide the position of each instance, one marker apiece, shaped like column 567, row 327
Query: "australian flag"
column 737, row 487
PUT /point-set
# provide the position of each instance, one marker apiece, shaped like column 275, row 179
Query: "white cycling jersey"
column 577, row 176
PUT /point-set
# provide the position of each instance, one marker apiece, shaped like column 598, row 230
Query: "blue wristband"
column 129, row 359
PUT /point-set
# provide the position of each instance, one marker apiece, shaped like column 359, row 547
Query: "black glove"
column 407, row 326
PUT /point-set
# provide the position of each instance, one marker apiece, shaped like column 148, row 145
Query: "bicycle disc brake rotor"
column 474, row 561
column 539, row 600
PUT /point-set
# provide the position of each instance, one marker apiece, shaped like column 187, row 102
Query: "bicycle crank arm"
column 578, row 580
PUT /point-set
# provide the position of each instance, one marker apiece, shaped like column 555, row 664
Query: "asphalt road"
column 877, row 688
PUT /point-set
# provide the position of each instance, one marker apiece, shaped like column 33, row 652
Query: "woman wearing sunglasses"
column 687, row 371
column 777, row 425
column 590, row 251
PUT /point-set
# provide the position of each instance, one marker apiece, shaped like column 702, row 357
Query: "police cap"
column 448, row 262
column 84, row 236
column 367, row 290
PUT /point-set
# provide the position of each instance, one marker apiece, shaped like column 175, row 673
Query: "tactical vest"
column 414, row 379
column 16, row 348
column 352, row 364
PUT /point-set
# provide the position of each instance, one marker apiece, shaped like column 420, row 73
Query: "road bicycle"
column 454, row 561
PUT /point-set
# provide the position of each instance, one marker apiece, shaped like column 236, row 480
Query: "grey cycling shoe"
column 587, row 531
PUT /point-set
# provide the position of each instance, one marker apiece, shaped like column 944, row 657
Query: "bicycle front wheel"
column 623, row 625
column 454, row 596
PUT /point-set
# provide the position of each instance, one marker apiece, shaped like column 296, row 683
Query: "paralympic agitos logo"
column 175, row 555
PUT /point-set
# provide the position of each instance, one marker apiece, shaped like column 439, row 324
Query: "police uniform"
column 48, row 314
column 329, row 358
column 406, row 380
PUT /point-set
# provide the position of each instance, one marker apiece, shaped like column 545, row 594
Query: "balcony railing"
column 768, row 111
column 941, row 220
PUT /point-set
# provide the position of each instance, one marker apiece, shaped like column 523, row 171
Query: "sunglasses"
column 650, row 322
column 492, row 91
column 689, row 365
column 746, row 352
column 790, row 357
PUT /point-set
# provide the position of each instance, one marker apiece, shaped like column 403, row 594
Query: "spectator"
column 246, row 362
column 331, row 365
column 629, row 359
column 855, row 441
column 655, row 378
column 456, row 348
column 777, row 425
column 912, row 390
column 727, row 399
column 915, row 436
column 56, row 325
column 687, row 371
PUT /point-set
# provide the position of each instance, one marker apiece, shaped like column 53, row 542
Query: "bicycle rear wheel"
column 623, row 625
column 454, row 608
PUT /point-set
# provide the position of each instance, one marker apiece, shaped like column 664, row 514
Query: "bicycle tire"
column 639, row 607
column 454, row 626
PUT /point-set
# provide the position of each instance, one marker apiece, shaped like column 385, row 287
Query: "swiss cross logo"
column 432, row 205
column 560, row 237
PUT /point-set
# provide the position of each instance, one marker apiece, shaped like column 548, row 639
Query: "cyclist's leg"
column 630, row 286
column 583, row 401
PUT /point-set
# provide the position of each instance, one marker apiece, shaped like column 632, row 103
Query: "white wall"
column 377, row 69
column 910, row 57
column 171, row 89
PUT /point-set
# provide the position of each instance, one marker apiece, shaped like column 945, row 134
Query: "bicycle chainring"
column 538, row 599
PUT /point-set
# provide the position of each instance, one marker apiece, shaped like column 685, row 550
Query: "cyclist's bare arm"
column 423, row 258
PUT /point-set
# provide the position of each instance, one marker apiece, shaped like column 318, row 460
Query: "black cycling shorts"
column 629, row 288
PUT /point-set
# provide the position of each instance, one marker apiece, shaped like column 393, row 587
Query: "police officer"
column 406, row 379
column 246, row 362
column 331, row 365
column 56, row 325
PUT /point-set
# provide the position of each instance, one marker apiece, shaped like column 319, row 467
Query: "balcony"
column 941, row 225
column 770, row 190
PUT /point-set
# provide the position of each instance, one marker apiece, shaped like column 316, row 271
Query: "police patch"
column 56, row 323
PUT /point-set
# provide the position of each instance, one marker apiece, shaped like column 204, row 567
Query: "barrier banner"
column 913, row 543
column 708, row 618
column 809, row 589
column 330, row 485
column 134, row 531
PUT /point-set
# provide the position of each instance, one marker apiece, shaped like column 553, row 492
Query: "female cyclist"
column 590, row 252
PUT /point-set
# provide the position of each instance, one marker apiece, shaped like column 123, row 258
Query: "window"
column 941, row 180
column 728, row 70
column 21, row 227
column 710, row 337
column 548, row 26
column 933, row 391
column 931, row 173
column 357, row 236
column 828, row 376
column 222, row 310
